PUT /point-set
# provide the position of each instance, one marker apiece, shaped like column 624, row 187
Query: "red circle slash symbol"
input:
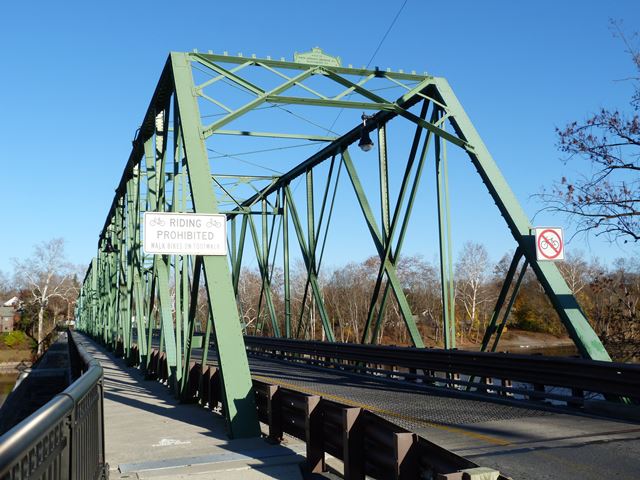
column 549, row 244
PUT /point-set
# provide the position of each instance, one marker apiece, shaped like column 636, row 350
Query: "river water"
column 569, row 351
column 559, row 351
column 7, row 381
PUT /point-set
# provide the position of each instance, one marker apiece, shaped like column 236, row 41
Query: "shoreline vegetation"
column 609, row 296
column 16, row 350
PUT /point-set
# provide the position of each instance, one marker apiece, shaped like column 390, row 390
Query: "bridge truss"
column 206, row 102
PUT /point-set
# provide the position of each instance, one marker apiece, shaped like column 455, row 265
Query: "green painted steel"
column 286, row 266
column 548, row 274
column 311, row 269
column 504, row 291
column 379, row 245
column 397, row 214
column 502, row 325
column 238, row 399
column 128, row 295
column 262, row 255
column 446, row 251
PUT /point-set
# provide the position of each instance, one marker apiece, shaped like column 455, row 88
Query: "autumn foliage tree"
column 609, row 295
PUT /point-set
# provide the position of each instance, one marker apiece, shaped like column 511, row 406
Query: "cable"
column 387, row 33
column 245, row 161
column 253, row 152
column 222, row 114
column 384, row 37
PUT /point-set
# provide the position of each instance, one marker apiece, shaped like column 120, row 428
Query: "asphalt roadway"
column 522, row 441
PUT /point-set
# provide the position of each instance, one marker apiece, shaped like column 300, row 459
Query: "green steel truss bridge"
column 303, row 121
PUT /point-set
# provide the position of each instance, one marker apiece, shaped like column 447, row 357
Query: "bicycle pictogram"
column 549, row 244
column 213, row 223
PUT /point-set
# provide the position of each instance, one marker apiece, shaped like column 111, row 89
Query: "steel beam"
column 239, row 403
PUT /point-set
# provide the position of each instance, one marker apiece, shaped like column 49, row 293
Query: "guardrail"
column 570, row 381
column 366, row 444
column 65, row 438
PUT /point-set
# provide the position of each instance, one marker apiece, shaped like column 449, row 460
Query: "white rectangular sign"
column 549, row 243
column 185, row 234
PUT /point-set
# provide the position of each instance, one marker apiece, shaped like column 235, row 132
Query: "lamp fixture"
column 365, row 142
column 109, row 248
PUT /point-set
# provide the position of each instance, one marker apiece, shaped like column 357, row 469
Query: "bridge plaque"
column 316, row 57
column 184, row 234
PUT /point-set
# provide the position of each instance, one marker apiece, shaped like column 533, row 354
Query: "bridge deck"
column 149, row 434
column 522, row 442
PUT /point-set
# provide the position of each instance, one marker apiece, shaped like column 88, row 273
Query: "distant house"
column 9, row 314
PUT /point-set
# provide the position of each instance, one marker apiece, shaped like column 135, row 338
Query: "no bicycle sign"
column 549, row 243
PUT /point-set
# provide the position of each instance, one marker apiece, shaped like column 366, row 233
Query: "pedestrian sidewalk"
column 149, row 434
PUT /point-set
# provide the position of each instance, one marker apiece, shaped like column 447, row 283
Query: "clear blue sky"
column 76, row 78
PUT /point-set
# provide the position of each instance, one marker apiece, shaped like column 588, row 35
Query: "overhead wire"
column 245, row 161
column 253, row 152
column 382, row 40
column 384, row 37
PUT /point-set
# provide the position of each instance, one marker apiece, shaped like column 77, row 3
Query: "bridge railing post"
column 274, row 413
column 313, row 434
column 506, row 384
column 352, row 437
column 577, row 400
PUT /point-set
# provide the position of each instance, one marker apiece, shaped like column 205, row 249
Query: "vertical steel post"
column 384, row 182
column 285, row 255
column 444, row 229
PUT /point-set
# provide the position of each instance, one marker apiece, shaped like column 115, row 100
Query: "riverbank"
column 8, row 379
column 8, row 368
column 521, row 341
column 12, row 362
column 10, row 356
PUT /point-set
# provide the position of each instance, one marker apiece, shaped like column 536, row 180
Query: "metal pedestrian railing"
column 65, row 438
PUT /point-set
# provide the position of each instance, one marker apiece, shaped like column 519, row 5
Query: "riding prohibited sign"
column 549, row 243
column 185, row 234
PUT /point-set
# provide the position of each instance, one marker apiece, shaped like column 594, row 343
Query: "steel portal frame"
column 169, row 169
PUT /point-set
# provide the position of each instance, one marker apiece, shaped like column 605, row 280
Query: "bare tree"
column 249, row 290
column 6, row 288
column 471, row 273
column 576, row 271
column 614, row 307
column 45, row 275
column 605, row 200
